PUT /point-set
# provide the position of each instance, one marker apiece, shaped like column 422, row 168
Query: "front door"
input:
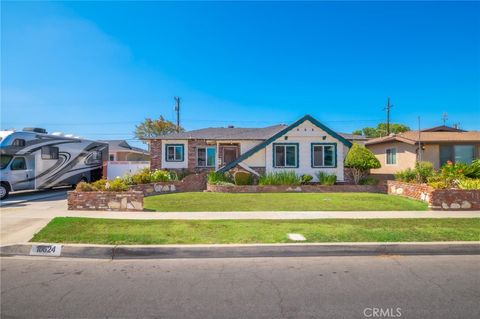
column 229, row 154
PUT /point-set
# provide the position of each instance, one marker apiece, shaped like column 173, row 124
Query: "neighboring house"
column 120, row 150
column 306, row 147
column 439, row 145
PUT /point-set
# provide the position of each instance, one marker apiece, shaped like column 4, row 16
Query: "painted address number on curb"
column 46, row 250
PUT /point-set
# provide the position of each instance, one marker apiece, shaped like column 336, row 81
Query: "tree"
column 381, row 130
column 153, row 128
column 360, row 159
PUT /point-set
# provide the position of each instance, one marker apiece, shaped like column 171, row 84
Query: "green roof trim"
column 264, row 144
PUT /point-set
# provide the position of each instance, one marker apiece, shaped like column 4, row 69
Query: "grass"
column 115, row 231
column 217, row 202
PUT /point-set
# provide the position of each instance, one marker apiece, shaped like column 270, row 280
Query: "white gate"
column 119, row 168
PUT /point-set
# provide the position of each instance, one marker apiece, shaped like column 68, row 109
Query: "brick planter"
column 191, row 183
column 110, row 201
column 298, row 189
column 437, row 199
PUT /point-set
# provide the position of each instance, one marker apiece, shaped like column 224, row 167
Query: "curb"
column 250, row 251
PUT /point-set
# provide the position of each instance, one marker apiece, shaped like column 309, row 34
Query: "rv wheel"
column 3, row 191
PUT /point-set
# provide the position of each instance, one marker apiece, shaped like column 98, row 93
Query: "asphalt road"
column 314, row 287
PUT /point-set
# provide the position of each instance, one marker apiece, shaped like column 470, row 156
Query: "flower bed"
column 105, row 200
column 297, row 188
column 437, row 199
column 190, row 183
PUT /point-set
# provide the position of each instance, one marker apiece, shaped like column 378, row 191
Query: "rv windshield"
column 4, row 160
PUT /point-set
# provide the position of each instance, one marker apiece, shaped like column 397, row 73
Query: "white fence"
column 120, row 168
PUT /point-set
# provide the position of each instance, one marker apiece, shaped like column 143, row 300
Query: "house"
column 306, row 147
column 120, row 150
column 440, row 144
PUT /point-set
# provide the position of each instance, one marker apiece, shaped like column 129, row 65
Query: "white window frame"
column 206, row 156
column 386, row 156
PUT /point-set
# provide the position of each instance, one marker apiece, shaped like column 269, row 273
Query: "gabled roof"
column 411, row 137
column 443, row 128
column 122, row 146
column 271, row 139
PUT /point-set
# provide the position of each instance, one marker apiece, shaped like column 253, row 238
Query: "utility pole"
column 387, row 108
column 444, row 118
column 177, row 109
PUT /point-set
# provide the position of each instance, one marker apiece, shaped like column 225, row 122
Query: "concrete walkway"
column 20, row 221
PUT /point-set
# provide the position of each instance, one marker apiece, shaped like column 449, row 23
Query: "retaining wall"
column 437, row 199
column 112, row 201
column 190, row 183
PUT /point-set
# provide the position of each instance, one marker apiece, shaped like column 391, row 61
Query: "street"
column 313, row 287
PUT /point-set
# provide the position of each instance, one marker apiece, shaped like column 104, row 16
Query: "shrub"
column 326, row 179
column 280, row 178
column 116, row 185
column 99, row 185
column 438, row 184
column 84, row 187
column 215, row 178
column 369, row 181
column 359, row 159
column 469, row 183
column 160, row 176
column 243, row 178
column 473, row 170
column 423, row 170
column 407, row 175
column 306, row 178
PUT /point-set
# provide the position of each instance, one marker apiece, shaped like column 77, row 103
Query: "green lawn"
column 217, row 202
column 115, row 231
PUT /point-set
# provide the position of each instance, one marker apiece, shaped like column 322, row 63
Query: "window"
column 205, row 157
column 4, row 160
column 111, row 157
column 97, row 155
column 174, row 152
column 49, row 152
column 457, row 154
column 18, row 142
column 391, row 156
column 285, row 155
column 324, row 155
column 18, row 164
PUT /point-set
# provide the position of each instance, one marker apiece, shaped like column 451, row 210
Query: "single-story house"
column 120, row 150
column 440, row 144
column 306, row 147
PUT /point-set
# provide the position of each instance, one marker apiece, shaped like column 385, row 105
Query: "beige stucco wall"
column 406, row 157
column 431, row 154
column 130, row 156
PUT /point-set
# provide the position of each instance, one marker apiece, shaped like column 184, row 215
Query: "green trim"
column 335, row 153
column 255, row 149
column 174, row 145
column 286, row 144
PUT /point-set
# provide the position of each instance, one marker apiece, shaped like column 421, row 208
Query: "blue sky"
column 96, row 69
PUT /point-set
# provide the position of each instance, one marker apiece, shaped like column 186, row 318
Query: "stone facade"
column 112, row 201
column 437, row 199
column 155, row 154
column 298, row 189
column 192, row 155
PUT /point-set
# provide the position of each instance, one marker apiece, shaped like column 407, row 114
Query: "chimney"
column 230, row 126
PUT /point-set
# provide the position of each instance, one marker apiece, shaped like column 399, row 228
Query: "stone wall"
column 112, row 201
column 298, row 189
column 155, row 154
column 437, row 199
column 190, row 183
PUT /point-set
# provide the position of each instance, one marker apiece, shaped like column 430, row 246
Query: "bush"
column 359, row 159
column 117, row 185
column 99, row 185
column 215, row 178
column 473, row 170
column 243, row 178
column 326, row 179
column 160, row 176
column 280, row 178
column 306, row 178
column 423, row 171
column 369, row 181
column 84, row 187
column 407, row 175
column 438, row 184
column 469, row 183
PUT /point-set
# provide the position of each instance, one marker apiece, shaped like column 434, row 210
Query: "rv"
column 31, row 159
